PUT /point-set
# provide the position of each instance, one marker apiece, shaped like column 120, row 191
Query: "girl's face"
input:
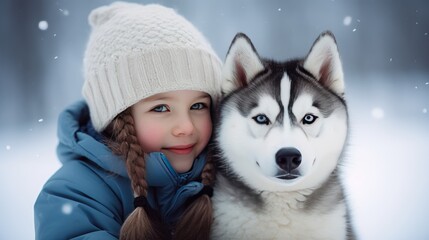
column 176, row 123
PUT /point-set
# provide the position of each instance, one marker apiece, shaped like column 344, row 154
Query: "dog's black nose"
column 288, row 159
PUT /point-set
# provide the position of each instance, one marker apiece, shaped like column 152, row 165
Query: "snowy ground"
column 386, row 168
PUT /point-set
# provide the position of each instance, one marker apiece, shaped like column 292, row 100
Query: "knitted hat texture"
column 135, row 51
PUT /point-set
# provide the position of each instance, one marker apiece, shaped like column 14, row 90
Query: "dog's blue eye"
column 309, row 119
column 261, row 119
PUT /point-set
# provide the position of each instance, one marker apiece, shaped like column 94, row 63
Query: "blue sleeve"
column 77, row 203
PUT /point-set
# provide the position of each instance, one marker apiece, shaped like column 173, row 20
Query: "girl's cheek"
column 150, row 139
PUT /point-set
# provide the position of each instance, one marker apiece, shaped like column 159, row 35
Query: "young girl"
column 133, row 152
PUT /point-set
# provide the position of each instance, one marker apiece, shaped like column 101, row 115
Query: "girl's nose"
column 184, row 126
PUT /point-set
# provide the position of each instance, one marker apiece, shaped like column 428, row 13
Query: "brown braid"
column 124, row 143
column 131, row 150
column 209, row 173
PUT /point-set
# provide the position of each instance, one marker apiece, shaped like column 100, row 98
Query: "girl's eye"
column 160, row 108
column 261, row 119
column 198, row 106
column 309, row 119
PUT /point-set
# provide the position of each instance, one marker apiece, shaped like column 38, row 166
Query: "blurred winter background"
column 384, row 46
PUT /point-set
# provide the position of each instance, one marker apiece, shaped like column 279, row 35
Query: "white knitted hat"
column 136, row 51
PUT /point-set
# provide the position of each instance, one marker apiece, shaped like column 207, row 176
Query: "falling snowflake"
column 66, row 209
column 43, row 25
column 391, row 59
column 347, row 21
column 279, row 9
column 8, row 147
column 56, row 57
column 40, row 120
column 377, row 113
column 64, row 11
column 424, row 110
column 354, row 29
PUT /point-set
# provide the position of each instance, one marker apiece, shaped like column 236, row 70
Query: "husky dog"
column 280, row 134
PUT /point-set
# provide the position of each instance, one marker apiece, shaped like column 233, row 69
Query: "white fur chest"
column 282, row 217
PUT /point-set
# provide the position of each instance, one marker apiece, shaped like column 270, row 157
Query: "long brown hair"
column 195, row 222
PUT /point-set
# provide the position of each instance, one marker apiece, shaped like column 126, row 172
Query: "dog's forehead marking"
column 285, row 87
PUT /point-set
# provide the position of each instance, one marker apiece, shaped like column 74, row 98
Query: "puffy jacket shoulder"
column 82, row 201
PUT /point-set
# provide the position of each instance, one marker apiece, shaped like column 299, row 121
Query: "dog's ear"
column 323, row 61
column 242, row 63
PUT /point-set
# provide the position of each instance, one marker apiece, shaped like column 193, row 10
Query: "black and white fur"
column 280, row 135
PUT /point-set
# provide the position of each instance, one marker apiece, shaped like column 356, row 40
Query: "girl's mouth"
column 182, row 149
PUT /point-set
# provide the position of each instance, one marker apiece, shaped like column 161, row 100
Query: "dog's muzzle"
column 288, row 160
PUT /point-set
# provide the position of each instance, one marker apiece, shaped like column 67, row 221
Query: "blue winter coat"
column 90, row 196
